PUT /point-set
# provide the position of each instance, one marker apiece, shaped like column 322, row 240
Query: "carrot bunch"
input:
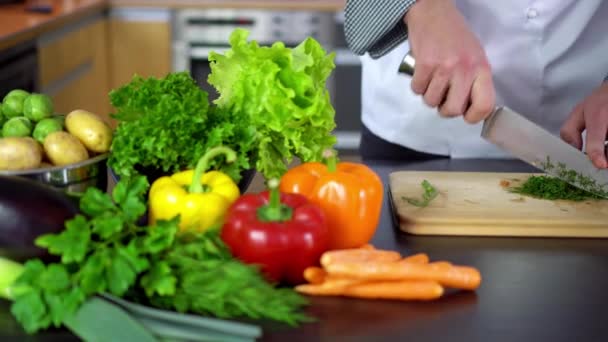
column 372, row 273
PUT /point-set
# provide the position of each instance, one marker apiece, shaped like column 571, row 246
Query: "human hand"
column 591, row 114
column 450, row 62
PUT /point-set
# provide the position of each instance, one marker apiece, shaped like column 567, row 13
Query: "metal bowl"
column 77, row 177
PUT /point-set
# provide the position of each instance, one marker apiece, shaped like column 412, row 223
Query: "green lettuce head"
column 282, row 92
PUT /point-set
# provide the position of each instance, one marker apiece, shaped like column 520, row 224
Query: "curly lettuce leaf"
column 167, row 124
column 282, row 92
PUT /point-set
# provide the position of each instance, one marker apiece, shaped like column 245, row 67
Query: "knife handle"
column 407, row 64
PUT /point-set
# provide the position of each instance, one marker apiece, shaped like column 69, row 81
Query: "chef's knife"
column 527, row 141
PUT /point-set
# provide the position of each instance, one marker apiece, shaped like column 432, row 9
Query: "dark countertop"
column 533, row 289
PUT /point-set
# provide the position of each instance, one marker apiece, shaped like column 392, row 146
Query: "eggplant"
column 29, row 209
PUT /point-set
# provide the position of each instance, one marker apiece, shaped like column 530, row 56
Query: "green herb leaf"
column 30, row 311
column 107, row 225
column 160, row 236
column 94, row 202
column 72, row 244
column 124, row 267
column 159, row 280
column 91, row 275
column 551, row 188
column 130, row 196
column 430, row 192
column 55, row 278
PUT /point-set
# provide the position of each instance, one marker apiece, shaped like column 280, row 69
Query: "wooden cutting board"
column 478, row 204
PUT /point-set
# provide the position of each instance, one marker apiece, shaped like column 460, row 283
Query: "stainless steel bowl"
column 71, row 178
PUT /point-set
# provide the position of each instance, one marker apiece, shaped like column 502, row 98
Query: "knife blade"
column 532, row 144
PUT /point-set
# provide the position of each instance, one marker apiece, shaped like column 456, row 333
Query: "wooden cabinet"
column 140, row 43
column 80, row 63
column 73, row 66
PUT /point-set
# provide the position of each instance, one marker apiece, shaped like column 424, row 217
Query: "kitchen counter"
column 315, row 5
column 19, row 25
column 533, row 289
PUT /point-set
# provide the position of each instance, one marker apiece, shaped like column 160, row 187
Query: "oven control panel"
column 213, row 27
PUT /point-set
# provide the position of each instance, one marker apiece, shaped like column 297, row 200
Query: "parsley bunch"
column 103, row 250
column 551, row 188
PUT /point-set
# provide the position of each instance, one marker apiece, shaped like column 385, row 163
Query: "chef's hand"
column 449, row 60
column 591, row 115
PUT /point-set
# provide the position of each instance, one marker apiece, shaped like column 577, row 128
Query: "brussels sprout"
column 37, row 107
column 12, row 104
column 46, row 126
column 17, row 127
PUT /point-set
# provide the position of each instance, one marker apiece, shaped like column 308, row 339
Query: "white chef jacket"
column 546, row 56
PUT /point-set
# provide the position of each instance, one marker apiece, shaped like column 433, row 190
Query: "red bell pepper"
column 282, row 233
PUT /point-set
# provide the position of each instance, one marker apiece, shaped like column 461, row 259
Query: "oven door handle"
column 202, row 53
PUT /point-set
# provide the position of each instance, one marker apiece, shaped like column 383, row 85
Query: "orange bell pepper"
column 350, row 195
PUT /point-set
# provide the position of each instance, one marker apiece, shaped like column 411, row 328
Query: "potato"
column 62, row 148
column 90, row 129
column 19, row 153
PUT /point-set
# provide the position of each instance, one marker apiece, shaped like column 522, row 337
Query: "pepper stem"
column 274, row 210
column 203, row 165
column 330, row 160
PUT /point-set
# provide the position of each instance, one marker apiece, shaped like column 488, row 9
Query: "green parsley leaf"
column 123, row 268
column 107, row 225
column 91, row 275
column 54, row 278
column 159, row 280
column 430, row 192
column 160, row 236
column 94, row 202
column 130, row 196
column 30, row 311
column 72, row 244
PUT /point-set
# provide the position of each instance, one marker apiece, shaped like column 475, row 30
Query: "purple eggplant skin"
column 29, row 209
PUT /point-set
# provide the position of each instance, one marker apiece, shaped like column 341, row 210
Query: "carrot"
column 402, row 290
column 358, row 255
column 419, row 258
column 460, row 277
column 315, row 275
column 330, row 287
column 441, row 264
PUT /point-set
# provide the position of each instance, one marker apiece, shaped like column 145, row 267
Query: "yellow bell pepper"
column 201, row 200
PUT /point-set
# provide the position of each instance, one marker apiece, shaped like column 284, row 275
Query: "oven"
column 19, row 68
column 197, row 32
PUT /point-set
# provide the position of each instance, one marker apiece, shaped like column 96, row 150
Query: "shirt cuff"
column 375, row 29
